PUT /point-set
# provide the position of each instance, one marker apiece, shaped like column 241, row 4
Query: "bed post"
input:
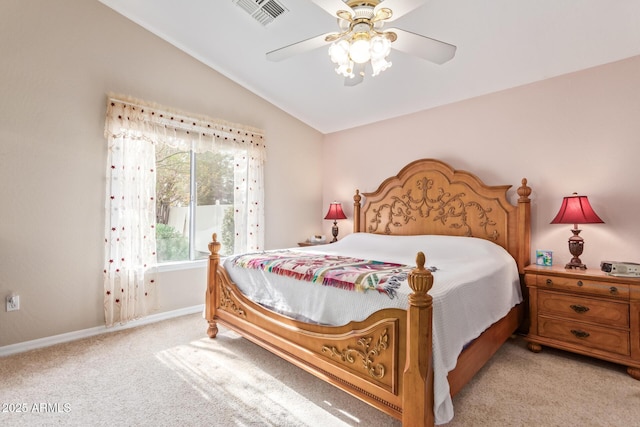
column 524, row 226
column 417, row 392
column 212, row 286
column 356, row 211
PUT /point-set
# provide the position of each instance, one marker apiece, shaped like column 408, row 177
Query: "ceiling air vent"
column 263, row 11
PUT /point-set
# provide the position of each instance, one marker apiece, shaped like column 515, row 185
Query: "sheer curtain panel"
column 133, row 130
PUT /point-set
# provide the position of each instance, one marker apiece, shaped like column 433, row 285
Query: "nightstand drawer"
column 583, row 286
column 609, row 313
column 589, row 336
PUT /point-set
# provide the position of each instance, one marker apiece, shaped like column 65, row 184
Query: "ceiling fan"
column 362, row 43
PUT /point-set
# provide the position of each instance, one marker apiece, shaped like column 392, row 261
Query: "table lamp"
column 576, row 210
column 335, row 213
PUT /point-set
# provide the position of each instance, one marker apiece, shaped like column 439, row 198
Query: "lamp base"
column 576, row 265
column 576, row 246
column 334, row 231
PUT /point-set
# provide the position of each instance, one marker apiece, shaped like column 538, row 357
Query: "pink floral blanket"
column 330, row 270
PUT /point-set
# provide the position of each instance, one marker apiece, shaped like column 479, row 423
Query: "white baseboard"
column 85, row 333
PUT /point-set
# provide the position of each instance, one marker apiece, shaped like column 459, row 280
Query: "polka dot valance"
column 179, row 129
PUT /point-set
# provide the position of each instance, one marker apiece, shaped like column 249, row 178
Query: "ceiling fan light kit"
column 361, row 50
column 362, row 44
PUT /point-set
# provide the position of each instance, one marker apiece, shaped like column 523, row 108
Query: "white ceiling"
column 501, row 44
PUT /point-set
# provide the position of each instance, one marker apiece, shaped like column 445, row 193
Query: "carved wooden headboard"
column 430, row 197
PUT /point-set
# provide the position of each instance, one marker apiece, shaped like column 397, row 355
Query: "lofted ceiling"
column 500, row 44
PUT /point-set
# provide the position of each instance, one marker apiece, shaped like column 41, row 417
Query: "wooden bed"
column 386, row 359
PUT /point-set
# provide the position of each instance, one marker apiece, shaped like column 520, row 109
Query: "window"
column 173, row 179
column 194, row 198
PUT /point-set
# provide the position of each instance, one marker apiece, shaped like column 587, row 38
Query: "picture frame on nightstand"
column 544, row 258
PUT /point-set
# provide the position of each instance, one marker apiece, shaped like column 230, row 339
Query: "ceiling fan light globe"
column 345, row 70
column 380, row 47
column 360, row 51
column 378, row 65
column 339, row 52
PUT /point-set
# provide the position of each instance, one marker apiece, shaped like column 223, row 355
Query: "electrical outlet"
column 13, row 302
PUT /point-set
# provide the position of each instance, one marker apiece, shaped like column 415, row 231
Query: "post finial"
column 214, row 245
column 524, row 191
column 420, row 260
column 420, row 280
column 356, row 211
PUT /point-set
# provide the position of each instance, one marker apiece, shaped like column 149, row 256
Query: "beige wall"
column 59, row 60
column 579, row 132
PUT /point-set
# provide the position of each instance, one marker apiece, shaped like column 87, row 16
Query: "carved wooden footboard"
column 367, row 359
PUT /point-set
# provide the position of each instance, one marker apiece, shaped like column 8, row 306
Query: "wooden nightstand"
column 586, row 312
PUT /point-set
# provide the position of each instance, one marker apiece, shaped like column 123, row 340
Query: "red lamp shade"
column 335, row 211
column 576, row 210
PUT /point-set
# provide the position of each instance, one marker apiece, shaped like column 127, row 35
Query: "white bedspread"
column 476, row 283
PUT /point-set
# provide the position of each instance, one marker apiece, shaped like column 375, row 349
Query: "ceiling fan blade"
column 332, row 6
column 358, row 71
column 298, row 48
column 424, row 47
column 399, row 7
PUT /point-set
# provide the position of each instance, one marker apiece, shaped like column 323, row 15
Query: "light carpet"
column 170, row 373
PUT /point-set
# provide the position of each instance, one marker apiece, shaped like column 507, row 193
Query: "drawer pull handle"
column 580, row 283
column 549, row 282
column 580, row 334
column 613, row 290
column 579, row 308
